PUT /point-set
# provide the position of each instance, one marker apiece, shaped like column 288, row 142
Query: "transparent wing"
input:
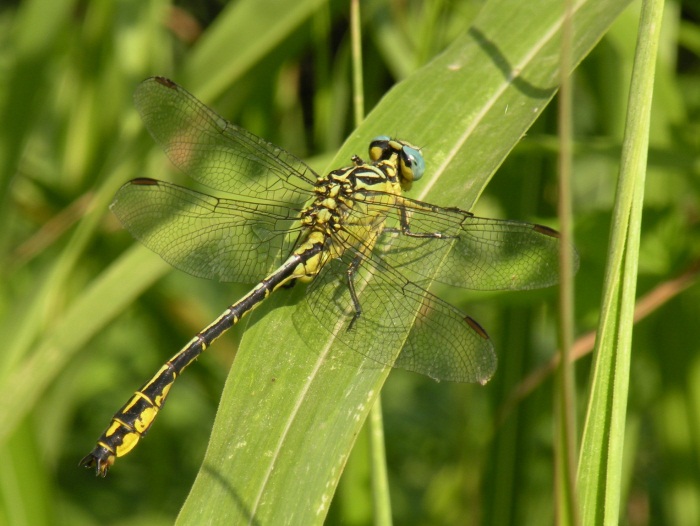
column 217, row 153
column 209, row 237
column 471, row 252
column 435, row 338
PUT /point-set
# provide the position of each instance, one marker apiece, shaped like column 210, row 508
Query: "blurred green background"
column 457, row 454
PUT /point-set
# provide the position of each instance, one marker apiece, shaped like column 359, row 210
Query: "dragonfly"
column 367, row 252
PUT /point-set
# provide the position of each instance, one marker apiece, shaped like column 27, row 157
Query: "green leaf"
column 600, row 468
column 290, row 411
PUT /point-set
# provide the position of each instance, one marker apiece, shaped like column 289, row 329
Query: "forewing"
column 209, row 237
column 471, row 252
column 217, row 153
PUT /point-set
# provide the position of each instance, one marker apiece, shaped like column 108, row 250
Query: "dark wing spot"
column 165, row 82
column 144, row 181
column 546, row 231
column 477, row 328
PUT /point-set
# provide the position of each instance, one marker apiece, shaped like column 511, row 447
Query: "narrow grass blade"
column 600, row 467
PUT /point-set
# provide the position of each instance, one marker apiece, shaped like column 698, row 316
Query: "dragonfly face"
column 407, row 158
column 368, row 251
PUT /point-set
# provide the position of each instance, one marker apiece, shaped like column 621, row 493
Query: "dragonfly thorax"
column 344, row 213
column 338, row 193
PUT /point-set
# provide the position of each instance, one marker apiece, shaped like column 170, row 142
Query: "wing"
column 454, row 247
column 401, row 324
column 209, row 237
column 217, row 153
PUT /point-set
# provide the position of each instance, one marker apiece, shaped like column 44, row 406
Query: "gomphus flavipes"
column 367, row 250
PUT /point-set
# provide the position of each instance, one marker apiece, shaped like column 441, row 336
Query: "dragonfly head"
column 409, row 161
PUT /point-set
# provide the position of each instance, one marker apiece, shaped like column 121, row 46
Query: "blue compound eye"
column 412, row 163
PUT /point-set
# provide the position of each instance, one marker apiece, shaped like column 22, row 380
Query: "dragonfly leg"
column 352, row 270
column 357, row 161
column 406, row 229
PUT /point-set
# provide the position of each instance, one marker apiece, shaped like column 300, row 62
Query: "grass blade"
column 600, row 468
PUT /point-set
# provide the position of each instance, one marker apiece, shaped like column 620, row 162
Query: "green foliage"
column 85, row 319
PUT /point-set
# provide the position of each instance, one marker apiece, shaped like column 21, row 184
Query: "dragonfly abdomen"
column 135, row 418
